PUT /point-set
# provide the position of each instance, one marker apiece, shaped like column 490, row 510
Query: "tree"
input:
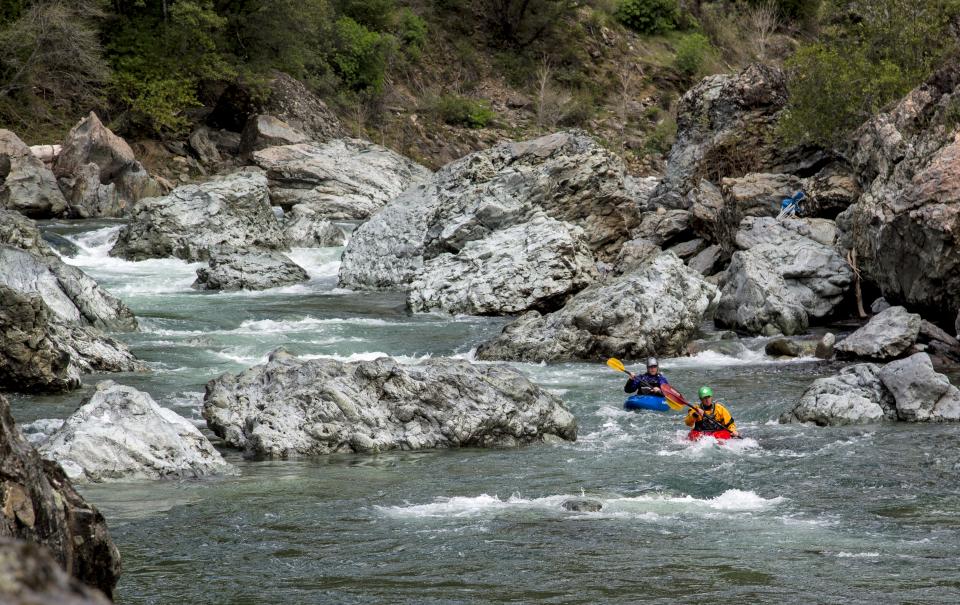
column 520, row 23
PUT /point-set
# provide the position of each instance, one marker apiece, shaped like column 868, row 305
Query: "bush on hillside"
column 649, row 16
column 461, row 111
column 360, row 56
column 692, row 51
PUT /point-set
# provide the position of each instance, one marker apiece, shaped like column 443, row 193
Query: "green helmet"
column 705, row 392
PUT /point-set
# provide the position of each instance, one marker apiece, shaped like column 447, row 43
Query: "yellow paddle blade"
column 679, row 407
column 616, row 364
column 673, row 398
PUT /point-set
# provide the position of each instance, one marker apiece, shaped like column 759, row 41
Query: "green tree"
column 649, row 16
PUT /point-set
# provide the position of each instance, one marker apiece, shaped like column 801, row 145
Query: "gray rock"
column 535, row 265
column 641, row 189
column 231, row 211
column 706, row 261
column 687, row 250
column 879, row 305
column 291, row 406
column 262, row 131
column 203, row 145
column 921, row 394
column 830, row 192
column 238, row 270
column 18, row 231
column 888, row 334
column 567, row 176
column 582, row 505
column 120, row 433
column 26, row 185
column 756, row 298
column 633, row 254
column 783, row 347
column 765, row 230
column 855, row 396
column 663, row 226
column 654, row 310
column 725, row 127
column 705, row 202
column 30, row 576
column 752, row 195
column 305, row 228
column 824, row 348
column 339, row 179
column 932, row 332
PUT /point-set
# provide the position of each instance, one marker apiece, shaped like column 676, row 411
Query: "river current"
column 792, row 514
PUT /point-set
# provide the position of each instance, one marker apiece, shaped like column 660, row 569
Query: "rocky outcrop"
column 18, row 231
column 536, row 265
column 566, row 176
column 231, row 211
column 305, row 228
column 654, row 310
column 26, row 185
column 120, row 433
column 291, row 406
column 756, row 299
column 725, row 128
column 907, row 389
column 41, row 506
column 237, row 270
column 340, row 179
column 903, row 227
column 262, row 131
column 30, row 576
column 98, row 172
column 888, row 334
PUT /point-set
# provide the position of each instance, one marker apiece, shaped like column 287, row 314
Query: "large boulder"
column 888, row 334
column 26, row 184
column 339, row 179
column 231, row 211
column 752, row 195
column 567, row 176
column 40, row 352
column 854, row 396
column 264, row 131
column 654, row 310
column 120, row 433
column 98, row 172
column 756, row 299
column 238, row 270
column 29, row 575
column 664, row 227
column 921, row 393
column 536, row 265
column 18, row 231
column 304, row 227
column 904, row 227
column 291, row 406
column 40, row 505
column 725, row 128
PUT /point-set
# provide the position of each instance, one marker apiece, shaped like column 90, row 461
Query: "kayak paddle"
column 617, row 365
column 671, row 393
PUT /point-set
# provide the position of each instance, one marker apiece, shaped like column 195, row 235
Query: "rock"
column 633, row 254
column 688, row 249
column 879, row 305
column 654, row 310
column 752, row 195
column 231, row 211
column 39, row 352
column 824, row 348
column 238, row 270
column 956, row 325
column 27, row 185
column 920, row 393
column 18, row 231
column 641, row 189
column 706, row 261
column 120, row 433
column 291, row 406
column 791, row 231
column 582, row 505
column 567, row 176
column 932, row 332
column 46, row 153
column 904, row 225
column 705, row 202
column 340, row 179
column 725, row 128
column 535, row 265
column 855, row 396
column 305, row 228
column 888, row 334
column 41, row 506
column 204, row 147
column 756, row 299
column 830, row 192
column 30, row 576
column 262, row 131
column 663, row 226
column 67, row 291
column 286, row 99
column 98, row 173
column 783, row 347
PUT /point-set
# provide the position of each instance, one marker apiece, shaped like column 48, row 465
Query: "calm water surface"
column 793, row 514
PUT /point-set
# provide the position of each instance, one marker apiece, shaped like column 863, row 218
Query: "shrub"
column 661, row 138
column 692, row 51
column 411, row 31
column 649, row 16
column 373, row 14
column 461, row 111
column 359, row 55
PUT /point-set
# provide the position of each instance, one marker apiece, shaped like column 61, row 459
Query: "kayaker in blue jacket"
column 649, row 383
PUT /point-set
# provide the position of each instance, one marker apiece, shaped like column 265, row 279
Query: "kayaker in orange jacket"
column 709, row 415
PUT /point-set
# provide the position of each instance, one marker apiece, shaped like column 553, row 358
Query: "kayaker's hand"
column 657, row 390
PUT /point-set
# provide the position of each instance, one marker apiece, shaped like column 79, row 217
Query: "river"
column 792, row 514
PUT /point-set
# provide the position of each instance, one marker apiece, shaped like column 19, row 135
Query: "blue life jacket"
column 644, row 382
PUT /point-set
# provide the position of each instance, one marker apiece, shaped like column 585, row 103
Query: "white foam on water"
column 857, row 555
column 708, row 446
column 709, row 359
column 369, row 356
column 256, row 326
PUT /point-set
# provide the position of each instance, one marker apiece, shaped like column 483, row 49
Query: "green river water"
column 793, row 514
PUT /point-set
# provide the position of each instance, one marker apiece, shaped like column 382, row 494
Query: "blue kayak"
column 646, row 402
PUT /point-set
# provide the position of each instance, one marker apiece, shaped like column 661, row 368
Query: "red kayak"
column 695, row 435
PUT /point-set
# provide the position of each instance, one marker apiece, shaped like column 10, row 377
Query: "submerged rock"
column 120, row 433
column 291, row 406
column 887, row 335
column 339, row 179
column 855, row 396
column 536, row 265
column 654, row 310
column 259, row 270
column 783, row 347
column 40, row 505
column 825, row 347
column 231, row 211
column 582, row 505
column 304, row 227
column 30, row 576
column 26, row 185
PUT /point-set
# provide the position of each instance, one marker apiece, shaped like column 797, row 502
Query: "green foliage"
column 359, row 55
column 372, row 14
column 649, row 16
column 661, row 138
column 461, row 111
column 803, row 11
column 11, row 10
column 411, row 31
column 692, row 50
column 519, row 23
